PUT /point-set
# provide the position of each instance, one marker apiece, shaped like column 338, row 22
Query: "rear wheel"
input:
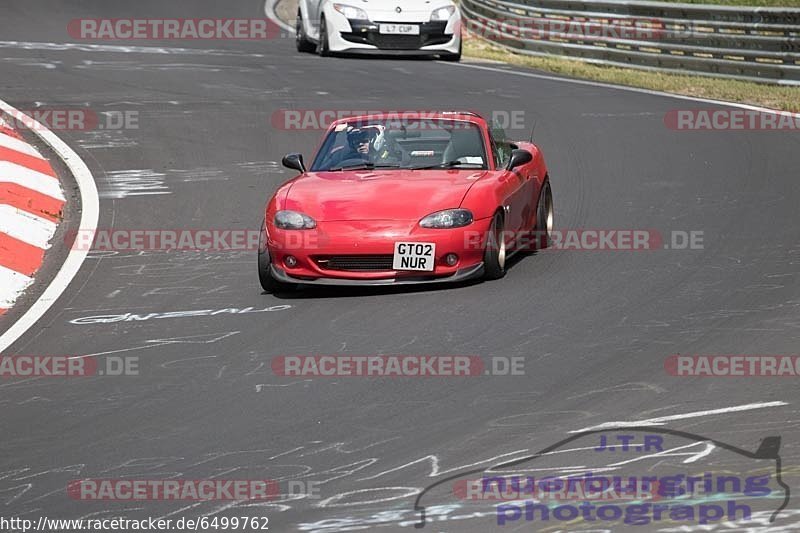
column 323, row 48
column 268, row 283
column 494, row 257
column 301, row 41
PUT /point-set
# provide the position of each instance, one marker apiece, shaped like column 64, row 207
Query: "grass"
column 772, row 96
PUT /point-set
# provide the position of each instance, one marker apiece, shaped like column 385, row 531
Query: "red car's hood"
column 379, row 194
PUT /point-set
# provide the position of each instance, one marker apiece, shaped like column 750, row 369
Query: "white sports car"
column 382, row 27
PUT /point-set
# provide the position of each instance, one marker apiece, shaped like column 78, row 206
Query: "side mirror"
column 519, row 157
column 295, row 161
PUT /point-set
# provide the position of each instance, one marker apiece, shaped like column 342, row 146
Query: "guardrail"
column 751, row 44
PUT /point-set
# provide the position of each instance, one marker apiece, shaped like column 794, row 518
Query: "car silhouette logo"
column 767, row 450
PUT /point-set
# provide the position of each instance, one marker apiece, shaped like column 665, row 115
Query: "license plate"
column 399, row 29
column 414, row 256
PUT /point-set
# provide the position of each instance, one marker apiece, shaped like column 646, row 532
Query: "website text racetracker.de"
column 173, row 489
column 129, row 489
column 205, row 523
column 731, row 120
column 396, row 366
column 683, row 490
column 203, row 240
column 588, row 239
column 588, row 488
column 174, row 28
column 732, row 365
column 407, row 120
column 233, row 240
column 541, row 28
column 27, row 366
column 72, row 119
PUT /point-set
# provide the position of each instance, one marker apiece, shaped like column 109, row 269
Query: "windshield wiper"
column 361, row 166
column 355, row 166
column 448, row 164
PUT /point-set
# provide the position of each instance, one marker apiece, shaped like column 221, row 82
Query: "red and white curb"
column 31, row 203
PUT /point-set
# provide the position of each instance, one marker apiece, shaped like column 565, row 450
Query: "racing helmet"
column 373, row 133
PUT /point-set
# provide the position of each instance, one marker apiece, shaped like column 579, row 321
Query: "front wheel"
column 323, row 49
column 494, row 257
column 301, row 41
column 268, row 283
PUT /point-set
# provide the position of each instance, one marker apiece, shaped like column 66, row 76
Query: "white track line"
column 18, row 145
column 30, row 179
column 660, row 420
column 90, row 213
column 13, row 285
column 26, row 227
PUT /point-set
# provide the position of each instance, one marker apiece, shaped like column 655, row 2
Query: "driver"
column 367, row 143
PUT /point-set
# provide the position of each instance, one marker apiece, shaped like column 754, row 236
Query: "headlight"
column 294, row 220
column 443, row 13
column 449, row 218
column 350, row 11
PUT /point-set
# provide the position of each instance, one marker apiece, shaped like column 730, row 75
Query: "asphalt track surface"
column 593, row 327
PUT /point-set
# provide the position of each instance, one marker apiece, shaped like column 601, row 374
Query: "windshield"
column 406, row 143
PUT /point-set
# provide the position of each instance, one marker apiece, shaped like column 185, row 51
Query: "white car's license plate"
column 399, row 29
column 414, row 256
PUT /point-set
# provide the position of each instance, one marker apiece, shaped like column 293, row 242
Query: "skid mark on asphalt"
column 197, row 313
column 210, row 338
column 24, row 62
column 622, row 387
column 321, row 462
column 136, row 182
column 261, row 386
column 128, row 66
column 158, row 270
column 239, row 91
column 199, row 174
column 170, row 291
column 106, row 139
column 261, row 167
column 66, row 47
column 177, row 362
column 663, row 419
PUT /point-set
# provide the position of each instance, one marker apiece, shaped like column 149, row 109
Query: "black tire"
column 543, row 232
column 301, row 41
column 322, row 47
column 268, row 283
column 494, row 256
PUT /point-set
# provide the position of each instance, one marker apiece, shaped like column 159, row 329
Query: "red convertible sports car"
column 405, row 198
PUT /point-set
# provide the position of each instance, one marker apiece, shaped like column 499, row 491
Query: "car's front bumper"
column 366, row 32
column 364, row 37
column 360, row 252
column 461, row 274
column 393, row 53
